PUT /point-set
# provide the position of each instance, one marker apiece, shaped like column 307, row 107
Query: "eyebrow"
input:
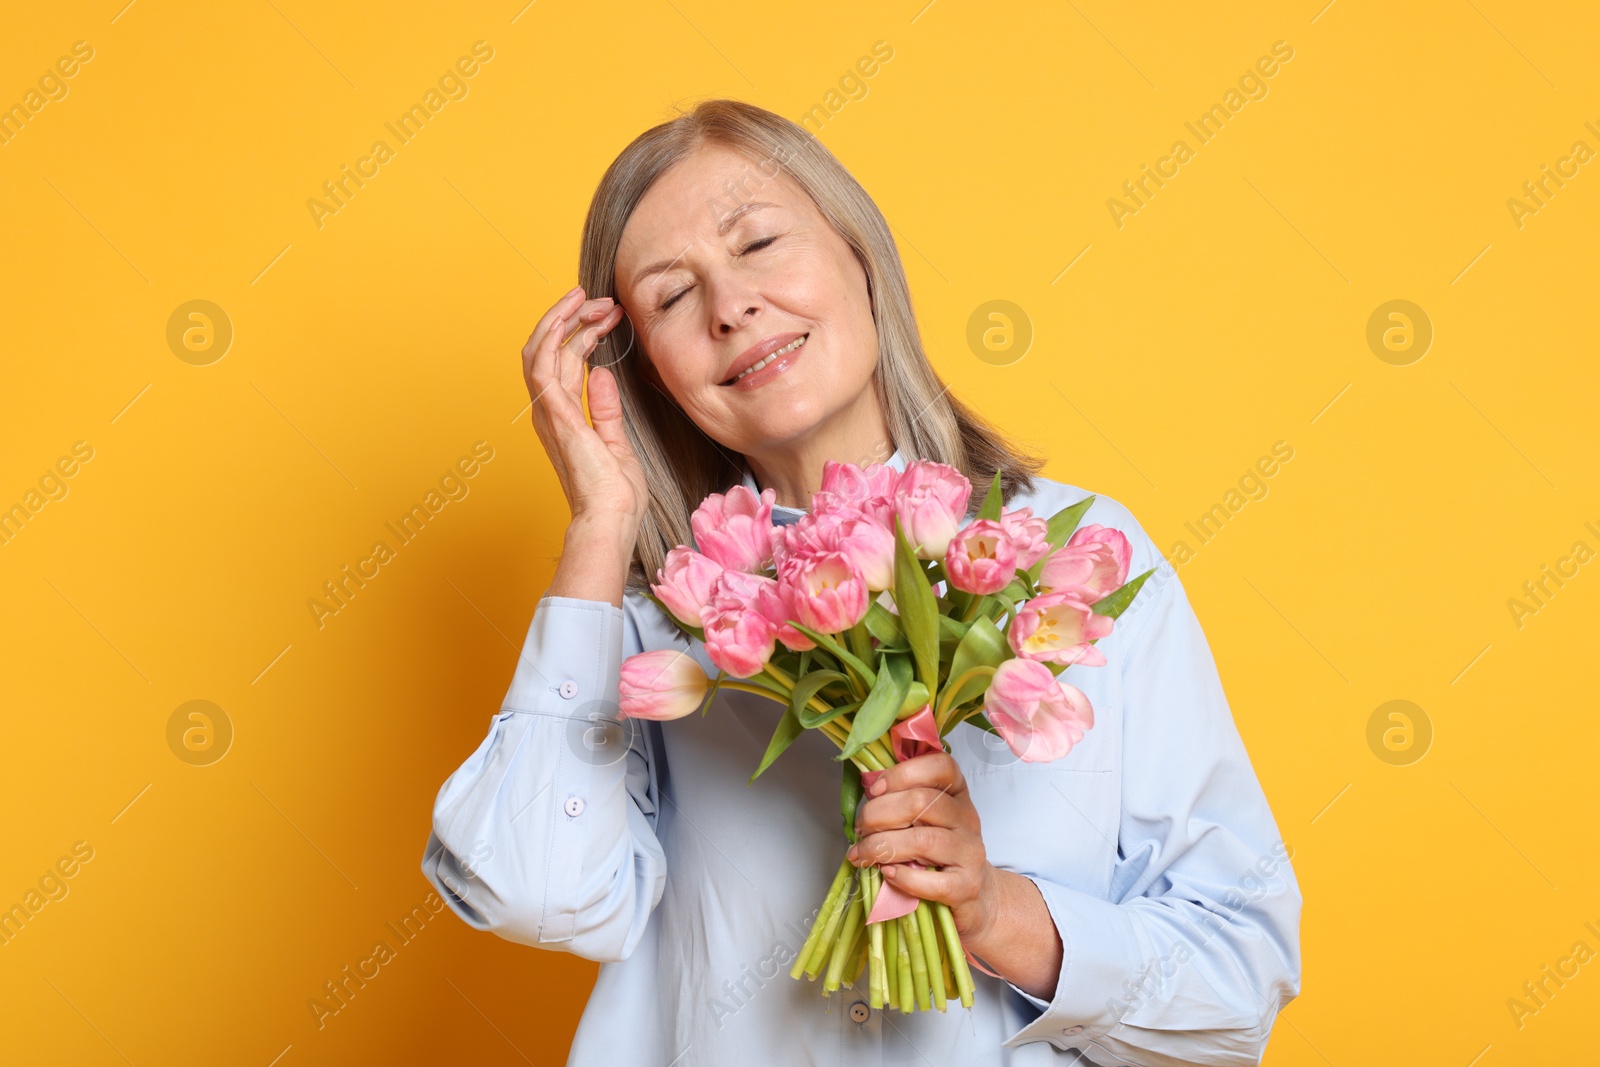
column 722, row 228
column 738, row 213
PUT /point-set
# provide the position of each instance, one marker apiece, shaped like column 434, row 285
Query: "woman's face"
column 718, row 259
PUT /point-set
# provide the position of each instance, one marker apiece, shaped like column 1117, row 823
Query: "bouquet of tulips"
column 882, row 621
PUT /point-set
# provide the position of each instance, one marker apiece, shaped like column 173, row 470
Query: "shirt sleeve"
column 1198, row 947
column 546, row 833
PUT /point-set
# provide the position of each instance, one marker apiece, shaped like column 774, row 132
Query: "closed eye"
column 753, row 246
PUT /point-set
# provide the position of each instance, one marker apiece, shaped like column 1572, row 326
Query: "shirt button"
column 569, row 689
column 860, row 1012
column 1072, row 1031
column 574, row 807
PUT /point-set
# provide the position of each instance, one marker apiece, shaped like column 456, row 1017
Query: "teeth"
column 790, row 347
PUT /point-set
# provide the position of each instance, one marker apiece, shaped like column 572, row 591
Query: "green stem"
column 878, row 755
column 958, row 955
column 861, row 674
column 877, row 975
column 906, row 1000
column 919, row 961
column 973, row 607
column 930, row 950
column 812, row 938
column 845, row 945
column 891, row 963
column 819, row 952
column 879, row 749
column 852, row 970
column 861, row 641
column 864, row 759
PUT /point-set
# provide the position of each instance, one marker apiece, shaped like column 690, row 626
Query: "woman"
column 1134, row 898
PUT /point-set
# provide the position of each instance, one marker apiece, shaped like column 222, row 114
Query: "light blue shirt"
column 640, row 845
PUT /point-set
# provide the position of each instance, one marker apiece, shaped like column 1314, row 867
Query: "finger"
column 541, row 362
column 574, row 355
column 561, row 309
column 588, row 311
column 922, row 805
column 935, row 769
column 924, row 844
column 925, row 884
column 561, row 404
column 605, row 406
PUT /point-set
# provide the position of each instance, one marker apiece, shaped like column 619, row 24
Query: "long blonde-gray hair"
column 681, row 464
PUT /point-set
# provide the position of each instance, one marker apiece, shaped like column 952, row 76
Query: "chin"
column 795, row 419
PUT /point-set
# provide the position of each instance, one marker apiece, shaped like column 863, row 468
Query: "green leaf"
column 916, row 696
column 992, row 500
column 1116, row 602
column 808, row 685
column 711, row 693
column 877, row 712
column 850, row 798
column 788, row 729
column 1019, row 589
column 1064, row 523
column 1011, row 610
column 885, row 626
column 984, row 646
column 864, row 672
column 1059, row 530
column 919, row 615
column 810, row 718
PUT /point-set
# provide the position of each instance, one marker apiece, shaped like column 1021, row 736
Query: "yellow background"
column 369, row 354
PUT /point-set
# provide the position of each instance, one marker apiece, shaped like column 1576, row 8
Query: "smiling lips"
column 758, row 358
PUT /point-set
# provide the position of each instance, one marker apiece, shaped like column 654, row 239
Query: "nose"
column 733, row 304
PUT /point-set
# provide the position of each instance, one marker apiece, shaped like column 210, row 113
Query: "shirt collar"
column 783, row 516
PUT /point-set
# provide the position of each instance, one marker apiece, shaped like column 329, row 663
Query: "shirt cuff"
column 570, row 663
column 1099, row 949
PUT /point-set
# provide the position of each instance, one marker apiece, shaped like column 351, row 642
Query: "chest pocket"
column 1057, row 820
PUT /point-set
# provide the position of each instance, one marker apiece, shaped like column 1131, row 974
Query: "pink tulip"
column 1057, row 628
column 1028, row 533
column 930, row 501
column 735, row 528
column 1093, row 564
column 1039, row 716
column 684, row 584
column 664, row 684
column 742, row 622
column 813, row 532
column 824, row 591
column 981, row 559
column 870, row 490
column 868, row 544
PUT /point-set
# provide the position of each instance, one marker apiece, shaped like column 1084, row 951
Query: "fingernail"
column 889, row 871
column 851, row 854
column 878, row 787
column 576, row 289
